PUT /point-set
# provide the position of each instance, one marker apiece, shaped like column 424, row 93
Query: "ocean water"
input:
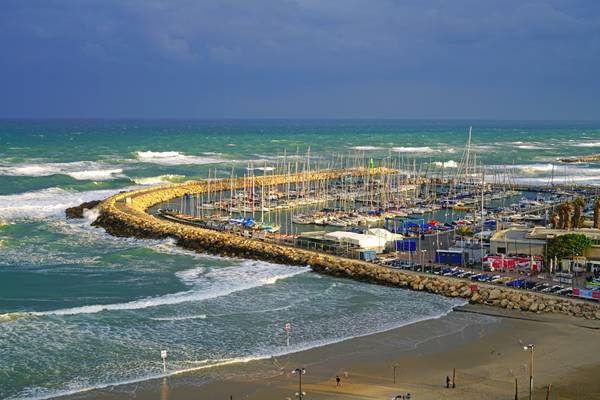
column 82, row 309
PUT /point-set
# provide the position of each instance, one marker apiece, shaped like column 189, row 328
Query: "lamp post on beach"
column 288, row 331
column 300, row 371
column 530, row 348
column 163, row 356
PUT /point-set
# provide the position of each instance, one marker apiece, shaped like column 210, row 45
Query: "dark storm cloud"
column 304, row 58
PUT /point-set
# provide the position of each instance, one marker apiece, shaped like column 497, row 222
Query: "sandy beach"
column 484, row 345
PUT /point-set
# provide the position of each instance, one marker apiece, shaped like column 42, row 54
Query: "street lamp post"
column 530, row 348
column 300, row 372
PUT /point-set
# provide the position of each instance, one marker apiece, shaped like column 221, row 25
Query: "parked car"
column 565, row 291
column 551, row 289
column 517, row 283
column 541, row 286
column 530, row 285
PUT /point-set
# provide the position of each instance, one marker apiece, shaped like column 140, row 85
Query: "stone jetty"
column 580, row 159
column 125, row 214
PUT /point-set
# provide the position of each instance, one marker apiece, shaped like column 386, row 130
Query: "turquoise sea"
column 81, row 309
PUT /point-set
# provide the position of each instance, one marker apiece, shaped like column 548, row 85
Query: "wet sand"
column 483, row 344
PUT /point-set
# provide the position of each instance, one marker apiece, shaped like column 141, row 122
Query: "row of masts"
column 399, row 182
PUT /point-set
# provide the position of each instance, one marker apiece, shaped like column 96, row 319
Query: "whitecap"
column 423, row 149
column 261, row 168
column 531, row 147
column 218, row 282
column 44, row 203
column 175, row 158
column 158, row 180
column 365, row 148
column 586, row 144
column 534, row 168
column 80, row 170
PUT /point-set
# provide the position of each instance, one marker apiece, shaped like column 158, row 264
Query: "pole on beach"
column 300, row 372
column 516, row 389
column 163, row 355
column 288, row 331
column 548, row 392
column 453, row 378
column 394, row 367
column 530, row 348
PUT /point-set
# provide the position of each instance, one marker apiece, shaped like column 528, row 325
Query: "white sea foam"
column 585, row 144
column 365, row 148
column 200, row 365
column 531, row 147
column 203, row 286
column 158, row 180
column 585, row 179
column 50, row 202
column 483, row 147
column 80, row 170
column 261, row 168
column 175, row 158
column 424, row 149
column 535, row 168
column 446, row 164
column 184, row 318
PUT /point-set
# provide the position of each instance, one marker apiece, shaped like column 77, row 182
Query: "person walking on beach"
column 447, row 382
column 338, row 381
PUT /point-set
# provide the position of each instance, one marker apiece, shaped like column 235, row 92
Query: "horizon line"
column 293, row 119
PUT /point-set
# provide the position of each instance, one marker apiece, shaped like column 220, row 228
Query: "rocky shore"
column 125, row 215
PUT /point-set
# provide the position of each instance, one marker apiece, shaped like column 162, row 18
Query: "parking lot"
column 517, row 280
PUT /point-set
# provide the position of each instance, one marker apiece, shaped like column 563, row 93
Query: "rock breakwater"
column 125, row 215
column 580, row 159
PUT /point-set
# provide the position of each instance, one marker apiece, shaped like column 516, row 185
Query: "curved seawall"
column 125, row 214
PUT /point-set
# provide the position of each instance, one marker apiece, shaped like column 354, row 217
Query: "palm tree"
column 597, row 213
column 579, row 208
column 555, row 220
column 568, row 218
column 561, row 217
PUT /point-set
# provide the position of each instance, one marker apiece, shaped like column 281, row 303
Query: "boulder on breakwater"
column 125, row 215
column 77, row 211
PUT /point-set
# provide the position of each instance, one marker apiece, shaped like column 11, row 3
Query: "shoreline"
column 219, row 370
column 476, row 340
column 241, row 361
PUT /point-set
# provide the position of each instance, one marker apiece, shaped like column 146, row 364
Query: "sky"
column 413, row 59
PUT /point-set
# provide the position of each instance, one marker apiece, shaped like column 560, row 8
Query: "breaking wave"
column 44, row 203
column 424, row 149
column 158, row 180
column 534, row 168
column 585, row 144
column 203, row 286
column 531, row 147
column 80, row 170
column 175, row 158
column 365, row 148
